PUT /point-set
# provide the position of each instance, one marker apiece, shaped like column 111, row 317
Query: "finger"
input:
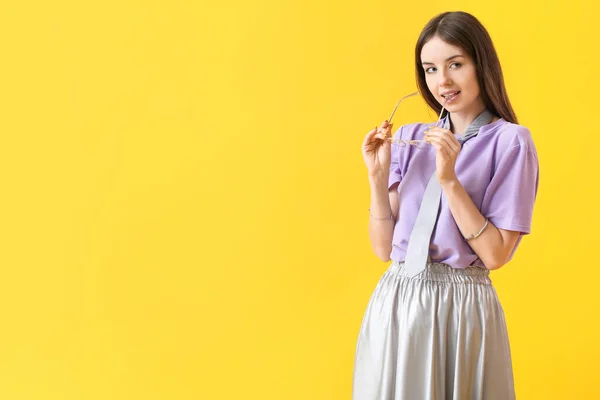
column 449, row 137
column 384, row 124
column 369, row 136
column 387, row 131
column 441, row 150
column 374, row 139
column 448, row 143
column 371, row 133
column 381, row 134
column 441, row 131
column 445, row 137
column 371, row 146
column 437, row 128
column 442, row 144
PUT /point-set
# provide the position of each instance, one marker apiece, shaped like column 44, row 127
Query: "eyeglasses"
column 418, row 144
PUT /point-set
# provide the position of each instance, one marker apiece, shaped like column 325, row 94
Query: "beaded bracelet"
column 382, row 219
column 478, row 233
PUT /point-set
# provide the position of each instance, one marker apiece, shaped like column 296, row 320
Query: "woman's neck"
column 460, row 121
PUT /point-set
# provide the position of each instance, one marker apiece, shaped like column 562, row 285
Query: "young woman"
column 434, row 327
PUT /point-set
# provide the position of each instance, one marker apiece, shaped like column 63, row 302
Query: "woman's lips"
column 451, row 98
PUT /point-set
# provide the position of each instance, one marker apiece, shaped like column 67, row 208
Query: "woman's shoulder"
column 507, row 135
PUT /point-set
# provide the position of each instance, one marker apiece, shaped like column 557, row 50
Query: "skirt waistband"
column 440, row 272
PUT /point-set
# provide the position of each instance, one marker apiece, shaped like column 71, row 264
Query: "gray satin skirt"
column 438, row 336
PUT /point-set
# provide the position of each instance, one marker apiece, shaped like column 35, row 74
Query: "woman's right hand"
column 377, row 149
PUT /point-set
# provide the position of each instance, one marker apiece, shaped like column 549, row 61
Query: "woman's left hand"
column 446, row 152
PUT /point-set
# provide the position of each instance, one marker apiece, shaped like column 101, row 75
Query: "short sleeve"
column 509, row 198
column 395, row 172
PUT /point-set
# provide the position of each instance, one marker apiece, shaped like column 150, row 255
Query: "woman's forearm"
column 381, row 228
column 490, row 246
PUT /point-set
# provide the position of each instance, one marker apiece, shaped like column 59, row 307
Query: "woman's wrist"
column 379, row 176
column 449, row 184
column 389, row 216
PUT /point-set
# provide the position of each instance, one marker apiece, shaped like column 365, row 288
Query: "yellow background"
column 184, row 202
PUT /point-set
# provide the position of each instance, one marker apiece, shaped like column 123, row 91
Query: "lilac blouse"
column 498, row 168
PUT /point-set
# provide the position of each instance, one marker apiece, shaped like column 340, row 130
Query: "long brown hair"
column 463, row 30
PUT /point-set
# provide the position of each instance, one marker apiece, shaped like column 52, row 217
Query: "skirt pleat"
column 438, row 336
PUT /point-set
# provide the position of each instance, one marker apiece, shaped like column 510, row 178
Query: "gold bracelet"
column 478, row 233
column 382, row 219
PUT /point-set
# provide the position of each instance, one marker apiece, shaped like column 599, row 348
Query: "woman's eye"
column 454, row 65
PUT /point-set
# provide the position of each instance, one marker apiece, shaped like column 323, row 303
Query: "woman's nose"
column 444, row 80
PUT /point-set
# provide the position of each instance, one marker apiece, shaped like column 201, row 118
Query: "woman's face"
column 449, row 70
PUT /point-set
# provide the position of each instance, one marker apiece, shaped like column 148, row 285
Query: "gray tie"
column 420, row 237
